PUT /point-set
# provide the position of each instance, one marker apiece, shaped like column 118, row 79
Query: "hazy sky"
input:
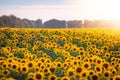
column 62, row 9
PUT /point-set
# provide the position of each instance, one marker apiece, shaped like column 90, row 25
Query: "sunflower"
column 81, row 53
column 2, row 58
column 24, row 69
column 5, row 72
column 42, row 67
column 86, row 54
column 52, row 70
column 113, row 64
column 36, row 68
column 41, row 53
column 75, row 62
column 19, row 60
column 10, row 78
column 98, row 69
column 91, row 72
column 94, row 77
column 8, row 48
column 63, row 39
column 66, row 46
column 70, row 73
column 105, row 48
column 24, row 50
column 38, row 76
column 59, row 64
column 14, row 67
column 28, row 45
column 106, row 65
column 24, row 61
column 93, row 46
column 86, row 59
column 31, row 74
column 10, row 60
column 23, row 42
column 30, row 64
column 69, row 44
column 78, row 70
column 74, row 48
column 86, row 65
column 39, row 64
column 3, row 78
column 48, row 60
column 117, row 77
column 16, row 41
column 107, row 55
column 46, row 56
column 65, row 78
column 79, row 57
column 65, row 65
column 42, row 60
column 106, row 74
column 10, row 56
column 112, row 53
column 118, row 67
column 97, row 51
column 5, row 51
column 118, row 53
column 118, row 61
column 48, row 65
column 52, row 77
column 30, row 78
column 81, row 48
column 99, row 62
column 4, row 65
column 84, row 74
column 114, row 72
column 88, row 43
column 90, row 60
column 46, row 71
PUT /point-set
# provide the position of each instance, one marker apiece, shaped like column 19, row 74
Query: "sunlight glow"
column 70, row 10
column 98, row 9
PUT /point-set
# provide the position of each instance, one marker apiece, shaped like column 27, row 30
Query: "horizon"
column 103, row 20
column 63, row 19
column 62, row 9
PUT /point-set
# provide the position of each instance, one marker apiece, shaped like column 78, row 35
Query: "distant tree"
column 13, row 21
column 1, row 22
column 89, row 24
column 38, row 23
column 53, row 23
column 5, row 21
column 74, row 24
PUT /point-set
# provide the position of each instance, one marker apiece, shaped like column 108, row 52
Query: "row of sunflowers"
column 59, row 54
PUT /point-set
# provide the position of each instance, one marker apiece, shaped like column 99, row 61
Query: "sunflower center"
column 79, row 69
column 71, row 73
column 106, row 74
column 98, row 69
column 52, row 78
column 30, row 65
column 38, row 76
column 24, row 69
column 86, row 66
column 94, row 77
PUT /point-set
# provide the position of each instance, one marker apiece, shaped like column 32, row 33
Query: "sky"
column 62, row 9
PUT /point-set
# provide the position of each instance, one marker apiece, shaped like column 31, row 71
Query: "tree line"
column 13, row 21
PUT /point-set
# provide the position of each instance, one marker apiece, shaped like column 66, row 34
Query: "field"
column 59, row 54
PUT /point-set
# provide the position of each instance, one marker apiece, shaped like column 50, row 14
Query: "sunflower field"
column 59, row 54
